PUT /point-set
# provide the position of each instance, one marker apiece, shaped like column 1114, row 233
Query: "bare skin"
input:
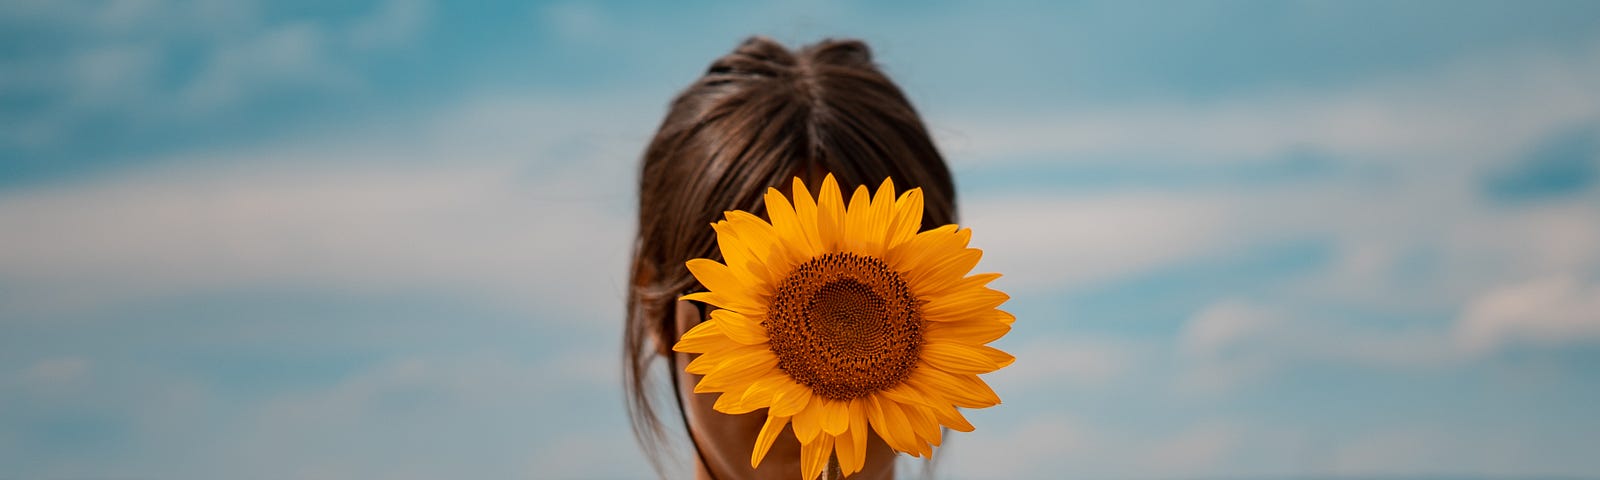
column 725, row 441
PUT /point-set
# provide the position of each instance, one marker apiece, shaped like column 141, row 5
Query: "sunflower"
column 838, row 318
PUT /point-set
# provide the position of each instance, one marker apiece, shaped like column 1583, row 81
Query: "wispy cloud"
column 341, row 217
column 1428, row 136
column 1232, row 342
column 1556, row 310
column 1461, row 114
column 286, row 56
column 393, row 23
column 129, row 62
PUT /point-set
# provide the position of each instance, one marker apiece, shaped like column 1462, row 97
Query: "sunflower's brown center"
column 845, row 325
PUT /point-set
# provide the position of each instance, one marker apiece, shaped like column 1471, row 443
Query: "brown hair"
column 758, row 117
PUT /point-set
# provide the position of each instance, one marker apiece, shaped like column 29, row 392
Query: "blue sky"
column 387, row 239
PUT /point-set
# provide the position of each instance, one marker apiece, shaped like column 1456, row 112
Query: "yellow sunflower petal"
column 943, row 272
column 856, row 221
column 830, row 216
column 958, row 358
column 740, row 328
column 923, row 424
column 943, row 410
column 1002, row 316
column 737, row 303
column 858, row 434
column 1000, row 357
column 970, row 331
column 925, row 247
column 814, row 456
column 844, row 449
column 900, row 425
column 790, row 398
column 737, row 370
column 764, row 244
column 715, row 276
column 877, row 219
column 906, row 394
column 808, row 423
column 742, row 262
column 976, row 388
column 906, row 220
column 710, row 361
column 958, row 305
column 702, row 338
column 732, row 379
column 835, row 416
column 805, row 208
column 769, row 433
column 950, row 417
column 974, row 282
column 890, row 423
column 761, row 392
column 787, row 224
column 731, row 403
column 879, row 422
column 707, row 362
column 966, row 391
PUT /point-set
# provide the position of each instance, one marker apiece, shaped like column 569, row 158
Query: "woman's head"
column 757, row 118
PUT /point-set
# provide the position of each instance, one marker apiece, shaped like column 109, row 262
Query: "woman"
column 757, row 118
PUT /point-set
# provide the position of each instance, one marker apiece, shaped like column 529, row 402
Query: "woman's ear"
column 685, row 317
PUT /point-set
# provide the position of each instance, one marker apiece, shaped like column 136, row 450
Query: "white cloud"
column 1421, row 243
column 1045, row 242
column 1413, row 233
column 587, row 455
column 58, row 370
column 423, row 416
column 1196, row 451
column 284, row 56
column 471, row 231
column 113, row 76
column 118, row 65
column 1409, row 450
column 107, row 78
column 1052, row 445
column 1469, row 111
column 1231, row 342
column 1553, row 310
column 1459, row 255
column 1222, row 325
column 394, row 23
column 1211, row 339
column 346, row 215
column 427, row 404
column 1424, row 243
column 1044, row 446
column 126, row 14
column 574, row 22
column 99, row 20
